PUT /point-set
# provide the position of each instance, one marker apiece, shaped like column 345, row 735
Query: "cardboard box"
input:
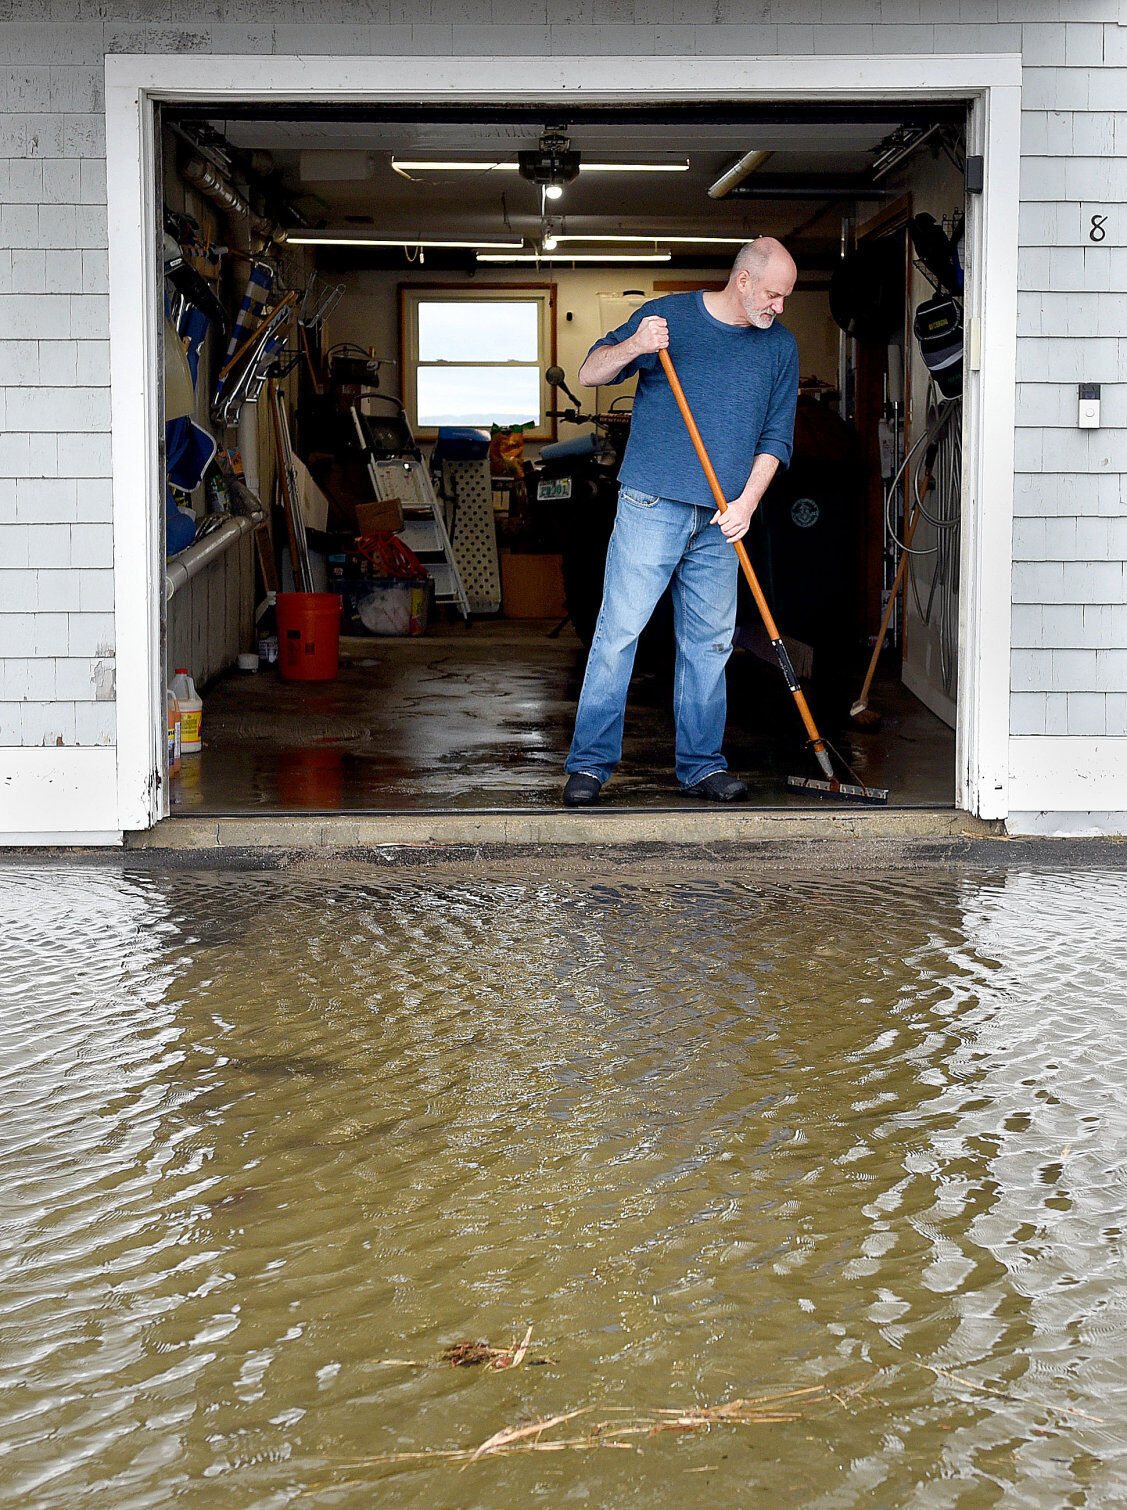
column 532, row 586
column 377, row 517
column 311, row 501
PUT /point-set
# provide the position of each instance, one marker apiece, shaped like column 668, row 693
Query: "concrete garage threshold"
column 626, row 828
column 620, row 847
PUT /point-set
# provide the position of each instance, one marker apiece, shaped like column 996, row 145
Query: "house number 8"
column 1097, row 232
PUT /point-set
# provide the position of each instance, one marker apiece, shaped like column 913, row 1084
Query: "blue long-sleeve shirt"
column 741, row 384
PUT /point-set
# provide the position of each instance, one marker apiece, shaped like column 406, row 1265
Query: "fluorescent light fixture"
column 681, row 165
column 668, row 240
column 738, row 172
column 432, row 165
column 574, row 256
column 335, row 238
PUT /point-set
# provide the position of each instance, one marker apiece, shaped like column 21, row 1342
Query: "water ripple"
column 709, row 1135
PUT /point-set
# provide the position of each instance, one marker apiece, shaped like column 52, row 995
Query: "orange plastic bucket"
column 308, row 635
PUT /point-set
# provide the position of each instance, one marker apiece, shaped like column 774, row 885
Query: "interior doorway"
column 529, row 715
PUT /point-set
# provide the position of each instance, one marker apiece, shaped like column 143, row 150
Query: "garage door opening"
column 402, row 302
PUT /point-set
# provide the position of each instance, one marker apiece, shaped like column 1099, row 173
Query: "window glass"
column 476, row 356
column 504, row 330
column 477, row 396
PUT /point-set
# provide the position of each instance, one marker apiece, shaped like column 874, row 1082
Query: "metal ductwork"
column 209, row 181
column 808, row 187
column 736, row 174
column 205, row 177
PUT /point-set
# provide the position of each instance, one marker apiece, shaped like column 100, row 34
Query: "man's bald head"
column 762, row 277
column 755, row 256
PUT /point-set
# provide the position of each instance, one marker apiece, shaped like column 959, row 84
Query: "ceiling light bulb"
column 553, row 191
column 550, row 243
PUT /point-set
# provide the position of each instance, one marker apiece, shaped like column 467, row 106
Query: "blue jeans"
column 656, row 540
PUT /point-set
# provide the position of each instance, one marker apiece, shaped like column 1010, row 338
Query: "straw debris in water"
column 622, row 1429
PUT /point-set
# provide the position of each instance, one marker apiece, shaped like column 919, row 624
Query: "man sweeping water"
column 739, row 370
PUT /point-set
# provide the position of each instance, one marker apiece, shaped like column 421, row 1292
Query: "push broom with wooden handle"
column 831, row 786
column 860, row 711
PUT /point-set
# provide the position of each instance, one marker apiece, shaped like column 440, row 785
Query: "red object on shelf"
column 390, row 557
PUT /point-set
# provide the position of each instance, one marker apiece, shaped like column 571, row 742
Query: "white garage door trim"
column 991, row 83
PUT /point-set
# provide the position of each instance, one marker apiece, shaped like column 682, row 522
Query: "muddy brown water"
column 271, row 1142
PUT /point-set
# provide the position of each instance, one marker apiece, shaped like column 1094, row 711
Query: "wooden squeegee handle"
column 816, row 739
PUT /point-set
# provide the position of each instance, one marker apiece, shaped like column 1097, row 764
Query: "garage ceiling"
column 352, row 174
column 334, row 166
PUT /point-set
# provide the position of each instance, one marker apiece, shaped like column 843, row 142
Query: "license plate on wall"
column 551, row 488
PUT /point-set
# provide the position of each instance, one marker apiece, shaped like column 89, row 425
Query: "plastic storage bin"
column 391, row 606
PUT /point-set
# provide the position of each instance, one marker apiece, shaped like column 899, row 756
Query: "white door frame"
column 990, row 83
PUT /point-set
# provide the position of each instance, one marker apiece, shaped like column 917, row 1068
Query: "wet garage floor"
column 482, row 719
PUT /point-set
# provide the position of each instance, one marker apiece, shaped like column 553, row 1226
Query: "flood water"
column 270, row 1143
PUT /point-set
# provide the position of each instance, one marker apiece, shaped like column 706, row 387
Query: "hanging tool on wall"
column 242, row 376
column 284, row 304
column 256, row 338
column 832, row 786
column 938, row 322
column 317, row 303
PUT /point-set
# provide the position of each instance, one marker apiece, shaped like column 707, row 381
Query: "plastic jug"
column 174, row 733
column 191, row 711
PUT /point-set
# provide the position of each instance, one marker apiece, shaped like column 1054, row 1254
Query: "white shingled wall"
column 56, row 545
column 1069, row 666
column 1069, row 670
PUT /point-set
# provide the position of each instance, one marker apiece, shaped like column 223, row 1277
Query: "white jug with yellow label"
column 191, row 711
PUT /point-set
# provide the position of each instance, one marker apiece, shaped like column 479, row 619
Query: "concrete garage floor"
column 480, row 718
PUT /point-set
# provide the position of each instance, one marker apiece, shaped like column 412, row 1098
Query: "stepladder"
column 402, row 475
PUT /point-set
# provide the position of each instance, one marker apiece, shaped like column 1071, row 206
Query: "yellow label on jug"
column 190, row 727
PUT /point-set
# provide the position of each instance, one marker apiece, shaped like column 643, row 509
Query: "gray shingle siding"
column 1069, row 664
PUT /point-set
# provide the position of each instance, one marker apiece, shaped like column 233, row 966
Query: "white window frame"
column 411, row 295
column 990, row 83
